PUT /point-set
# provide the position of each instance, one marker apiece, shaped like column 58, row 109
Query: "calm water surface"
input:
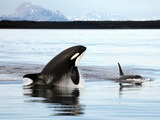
column 25, row 51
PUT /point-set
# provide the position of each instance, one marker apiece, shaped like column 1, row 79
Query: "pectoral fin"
column 75, row 75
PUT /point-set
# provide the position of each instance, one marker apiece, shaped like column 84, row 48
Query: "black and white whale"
column 131, row 79
column 61, row 70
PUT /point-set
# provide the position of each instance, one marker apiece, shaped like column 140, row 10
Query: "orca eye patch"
column 74, row 56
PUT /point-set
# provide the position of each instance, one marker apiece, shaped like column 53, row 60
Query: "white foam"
column 139, row 80
column 9, row 77
column 69, row 84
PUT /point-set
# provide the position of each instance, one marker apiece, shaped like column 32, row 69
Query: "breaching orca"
column 131, row 79
column 60, row 69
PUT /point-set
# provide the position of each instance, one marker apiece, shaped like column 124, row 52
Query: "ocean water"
column 27, row 51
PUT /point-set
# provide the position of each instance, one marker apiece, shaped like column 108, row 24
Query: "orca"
column 130, row 79
column 62, row 69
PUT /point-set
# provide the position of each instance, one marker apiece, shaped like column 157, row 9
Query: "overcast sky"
column 128, row 8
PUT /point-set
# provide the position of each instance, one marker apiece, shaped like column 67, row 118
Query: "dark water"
column 24, row 51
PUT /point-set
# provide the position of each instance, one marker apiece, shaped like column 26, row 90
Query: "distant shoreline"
column 6, row 24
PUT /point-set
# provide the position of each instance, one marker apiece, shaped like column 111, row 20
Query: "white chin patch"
column 27, row 81
column 140, row 80
column 78, row 59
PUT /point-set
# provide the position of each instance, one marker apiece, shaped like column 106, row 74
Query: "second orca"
column 130, row 79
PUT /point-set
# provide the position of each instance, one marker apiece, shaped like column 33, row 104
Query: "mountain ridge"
column 97, row 16
column 29, row 11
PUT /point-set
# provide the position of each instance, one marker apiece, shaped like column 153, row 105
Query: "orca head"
column 76, row 54
column 65, row 64
column 73, row 56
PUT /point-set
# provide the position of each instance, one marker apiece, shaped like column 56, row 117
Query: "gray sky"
column 128, row 8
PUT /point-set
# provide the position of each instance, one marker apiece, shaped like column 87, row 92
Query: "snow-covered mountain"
column 94, row 15
column 29, row 11
column 102, row 16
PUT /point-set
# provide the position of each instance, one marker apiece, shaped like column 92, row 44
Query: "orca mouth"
column 78, row 59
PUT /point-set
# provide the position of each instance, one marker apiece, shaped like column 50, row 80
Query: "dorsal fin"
column 120, row 70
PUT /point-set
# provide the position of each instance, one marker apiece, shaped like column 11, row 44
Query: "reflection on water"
column 64, row 101
column 122, row 87
column 129, row 88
